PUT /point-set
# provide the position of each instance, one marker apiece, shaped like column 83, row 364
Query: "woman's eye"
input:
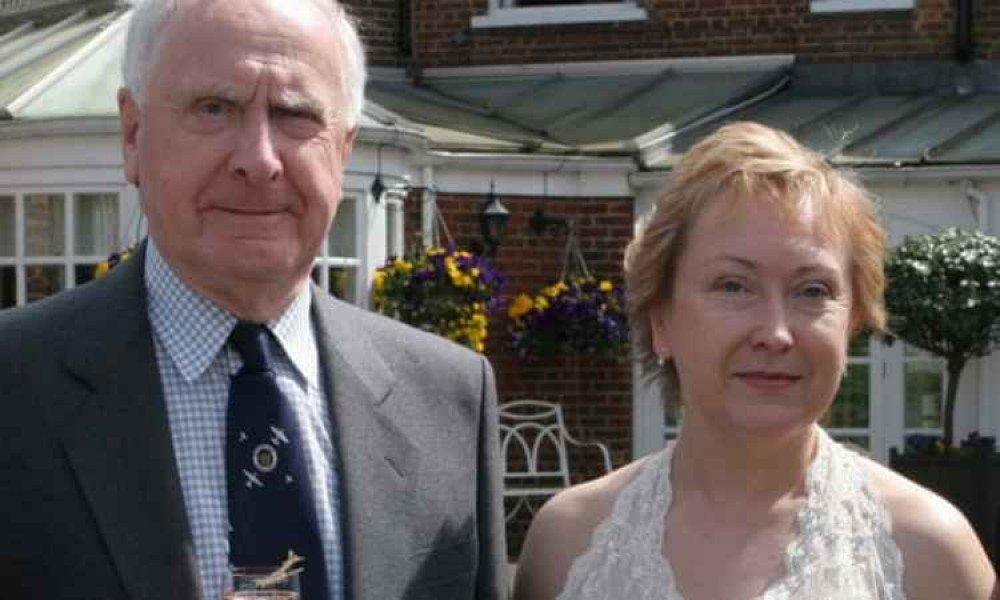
column 731, row 286
column 816, row 291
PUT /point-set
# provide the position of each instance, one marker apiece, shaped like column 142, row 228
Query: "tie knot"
column 249, row 339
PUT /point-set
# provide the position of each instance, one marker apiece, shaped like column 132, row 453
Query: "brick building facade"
column 441, row 33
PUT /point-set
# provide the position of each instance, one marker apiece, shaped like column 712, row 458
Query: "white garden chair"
column 534, row 444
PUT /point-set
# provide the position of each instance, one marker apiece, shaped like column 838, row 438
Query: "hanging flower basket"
column 442, row 290
column 580, row 315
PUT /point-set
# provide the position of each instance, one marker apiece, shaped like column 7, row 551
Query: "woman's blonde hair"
column 752, row 163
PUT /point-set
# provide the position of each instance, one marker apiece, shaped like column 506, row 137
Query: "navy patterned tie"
column 271, row 505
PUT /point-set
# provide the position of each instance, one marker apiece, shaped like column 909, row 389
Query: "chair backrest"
column 533, row 445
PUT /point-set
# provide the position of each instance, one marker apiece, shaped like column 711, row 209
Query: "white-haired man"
column 118, row 440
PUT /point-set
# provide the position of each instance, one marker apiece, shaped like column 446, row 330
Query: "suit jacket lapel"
column 118, row 442
column 377, row 464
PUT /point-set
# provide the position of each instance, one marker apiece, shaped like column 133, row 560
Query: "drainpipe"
column 404, row 43
column 965, row 46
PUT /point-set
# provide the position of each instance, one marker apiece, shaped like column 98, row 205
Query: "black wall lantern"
column 493, row 222
column 542, row 222
column 378, row 188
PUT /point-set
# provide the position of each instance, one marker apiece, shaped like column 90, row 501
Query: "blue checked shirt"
column 190, row 334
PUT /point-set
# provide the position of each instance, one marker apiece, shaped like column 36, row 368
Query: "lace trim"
column 844, row 550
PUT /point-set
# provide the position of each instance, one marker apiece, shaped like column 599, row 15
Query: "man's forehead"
column 231, row 55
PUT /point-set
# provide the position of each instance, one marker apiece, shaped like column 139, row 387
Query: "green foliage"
column 943, row 293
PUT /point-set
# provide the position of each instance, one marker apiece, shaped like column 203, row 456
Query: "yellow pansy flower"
column 521, row 306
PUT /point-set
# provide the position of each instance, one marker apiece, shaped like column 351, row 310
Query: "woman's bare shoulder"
column 942, row 556
column 561, row 531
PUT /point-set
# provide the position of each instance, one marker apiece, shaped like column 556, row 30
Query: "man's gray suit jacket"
column 90, row 496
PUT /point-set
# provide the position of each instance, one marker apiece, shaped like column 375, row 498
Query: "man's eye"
column 296, row 114
column 213, row 108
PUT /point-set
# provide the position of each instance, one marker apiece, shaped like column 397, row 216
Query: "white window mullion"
column 20, row 229
column 876, row 413
column 69, row 280
column 893, row 402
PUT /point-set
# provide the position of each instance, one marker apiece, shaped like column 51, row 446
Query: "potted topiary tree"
column 943, row 295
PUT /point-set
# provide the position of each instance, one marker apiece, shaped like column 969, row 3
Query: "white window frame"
column 69, row 260
column 848, row 6
column 357, row 262
column 874, row 431
column 500, row 15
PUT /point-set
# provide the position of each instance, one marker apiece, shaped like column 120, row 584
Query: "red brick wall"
column 704, row 28
column 380, row 28
column 596, row 394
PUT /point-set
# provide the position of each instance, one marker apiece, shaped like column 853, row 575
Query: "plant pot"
column 971, row 483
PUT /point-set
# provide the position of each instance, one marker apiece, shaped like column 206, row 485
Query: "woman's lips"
column 768, row 380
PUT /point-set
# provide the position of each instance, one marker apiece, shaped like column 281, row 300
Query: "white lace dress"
column 844, row 549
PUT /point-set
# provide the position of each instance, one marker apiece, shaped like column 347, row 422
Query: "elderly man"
column 204, row 406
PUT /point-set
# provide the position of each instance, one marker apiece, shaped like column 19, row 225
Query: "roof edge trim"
column 714, row 64
column 531, row 162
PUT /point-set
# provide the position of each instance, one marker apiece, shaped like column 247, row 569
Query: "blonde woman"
column 745, row 286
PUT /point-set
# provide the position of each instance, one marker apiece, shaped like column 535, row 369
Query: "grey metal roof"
column 938, row 114
column 582, row 112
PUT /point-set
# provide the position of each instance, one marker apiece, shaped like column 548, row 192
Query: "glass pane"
column 44, row 218
column 43, row 280
column 83, row 273
column 343, row 235
column 8, row 287
column 850, row 408
column 343, row 283
column 7, row 226
column 96, row 225
column 924, row 383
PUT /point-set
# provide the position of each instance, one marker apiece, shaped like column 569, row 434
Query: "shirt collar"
column 193, row 329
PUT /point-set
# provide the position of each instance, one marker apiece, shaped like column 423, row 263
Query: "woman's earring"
column 662, row 355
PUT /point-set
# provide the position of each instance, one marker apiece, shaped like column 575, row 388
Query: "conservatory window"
column 338, row 267
column 924, row 382
column 849, row 418
column 51, row 241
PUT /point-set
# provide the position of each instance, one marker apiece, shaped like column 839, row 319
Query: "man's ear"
column 129, row 115
column 345, row 150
